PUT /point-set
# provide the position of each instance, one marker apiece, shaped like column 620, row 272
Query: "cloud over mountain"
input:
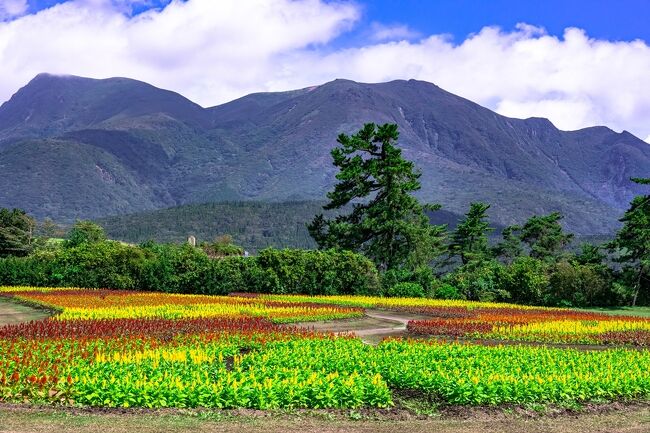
column 216, row 51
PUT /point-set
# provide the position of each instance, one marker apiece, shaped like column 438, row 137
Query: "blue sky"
column 577, row 62
column 604, row 19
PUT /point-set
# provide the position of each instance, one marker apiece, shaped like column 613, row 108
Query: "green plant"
column 447, row 291
column 480, row 281
column 406, row 290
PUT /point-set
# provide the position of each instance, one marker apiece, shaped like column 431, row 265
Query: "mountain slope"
column 73, row 147
column 253, row 225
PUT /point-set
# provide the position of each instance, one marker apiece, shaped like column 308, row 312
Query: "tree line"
column 531, row 264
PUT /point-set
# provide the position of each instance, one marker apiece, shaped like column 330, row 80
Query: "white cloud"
column 647, row 139
column 574, row 80
column 383, row 32
column 215, row 51
column 12, row 8
column 210, row 51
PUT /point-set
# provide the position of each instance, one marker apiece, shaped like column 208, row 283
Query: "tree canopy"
column 387, row 223
column 469, row 241
column 545, row 237
column 632, row 242
column 85, row 232
column 16, row 232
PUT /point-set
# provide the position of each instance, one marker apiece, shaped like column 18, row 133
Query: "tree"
column 85, row 232
column 223, row 246
column 510, row 247
column 590, row 255
column 48, row 229
column 386, row 223
column 469, row 241
column 632, row 241
column 16, row 232
column 545, row 237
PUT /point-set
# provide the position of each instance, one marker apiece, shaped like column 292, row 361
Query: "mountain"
column 73, row 147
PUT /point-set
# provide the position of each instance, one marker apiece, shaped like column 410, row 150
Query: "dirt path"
column 12, row 312
column 23, row 420
column 371, row 328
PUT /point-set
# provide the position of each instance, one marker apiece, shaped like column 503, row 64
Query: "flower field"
column 484, row 320
column 135, row 349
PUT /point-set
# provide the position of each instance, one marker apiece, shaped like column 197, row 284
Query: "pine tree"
column 469, row 241
column 545, row 236
column 510, row 247
column 16, row 232
column 632, row 241
column 387, row 223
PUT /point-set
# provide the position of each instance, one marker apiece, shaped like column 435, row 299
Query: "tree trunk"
column 637, row 286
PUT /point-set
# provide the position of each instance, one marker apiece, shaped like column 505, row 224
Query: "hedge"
column 185, row 269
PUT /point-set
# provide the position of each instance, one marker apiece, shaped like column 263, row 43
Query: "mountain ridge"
column 74, row 147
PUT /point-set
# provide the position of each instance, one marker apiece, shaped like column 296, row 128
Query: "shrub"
column 479, row 281
column 26, row 271
column 422, row 275
column 312, row 272
column 85, row 232
column 174, row 268
column 104, row 264
column 526, row 280
column 447, row 291
column 574, row 285
column 406, row 290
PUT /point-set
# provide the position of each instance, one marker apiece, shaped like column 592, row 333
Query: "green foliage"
column 16, row 232
column 222, row 247
column 590, row 255
column 406, row 290
column 572, row 284
column 185, row 269
column 510, row 247
column 253, row 225
column 479, row 281
column 526, row 279
column 469, row 241
column 423, row 276
column 545, row 237
column 387, row 223
column 101, row 264
column 27, row 271
column 447, row 291
column 632, row 243
column 85, row 232
column 310, row 272
column 48, row 229
column 175, row 268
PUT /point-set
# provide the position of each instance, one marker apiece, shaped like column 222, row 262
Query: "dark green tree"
column 469, row 241
column 387, row 223
column 590, row 254
column 85, row 232
column 48, row 229
column 545, row 237
column 510, row 246
column 632, row 242
column 16, row 232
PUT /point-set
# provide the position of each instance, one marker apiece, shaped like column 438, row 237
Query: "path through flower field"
column 129, row 349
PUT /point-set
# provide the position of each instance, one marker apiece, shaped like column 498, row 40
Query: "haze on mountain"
column 73, row 147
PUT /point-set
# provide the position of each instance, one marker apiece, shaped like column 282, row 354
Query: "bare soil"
column 608, row 419
column 372, row 328
column 12, row 312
